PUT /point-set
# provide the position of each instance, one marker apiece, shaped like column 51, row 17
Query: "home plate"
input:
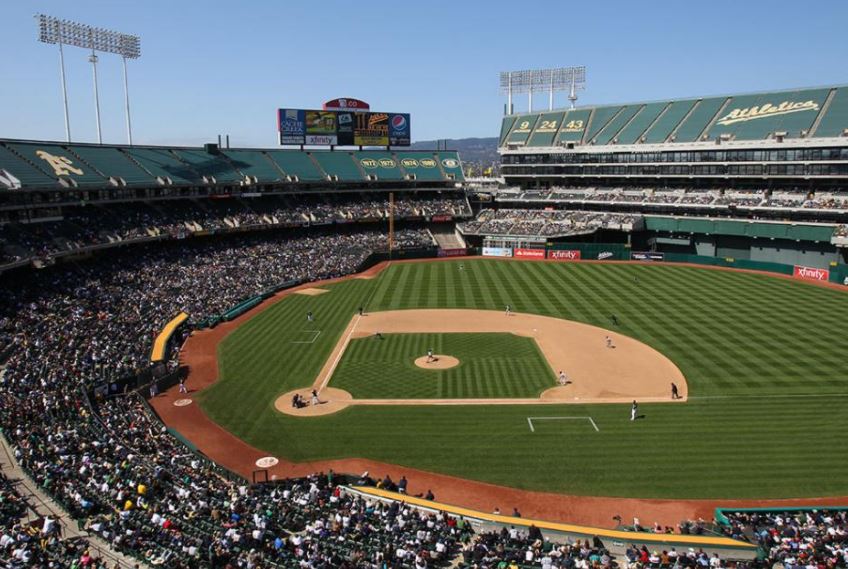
column 182, row 402
column 267, row 462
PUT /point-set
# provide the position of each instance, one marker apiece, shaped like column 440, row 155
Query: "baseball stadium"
column 626, row 350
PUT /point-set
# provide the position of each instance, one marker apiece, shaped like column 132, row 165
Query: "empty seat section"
column 381, row 164
column 599, row 119
column 296, row 163
column 506, row 126
column 112, row 162
column 423, row 164
column 521, row 129
column 255, row 163
column 574, row 125
column 640, row 123
column 691, row 128
column 669, row 120
column 451, row 165
column 754, row 117
column 163, row 164
column 835, row 120
column 546, row 129
column 207, row 164
column 27, row 175
column 55, row 159
column 339, row 164
column 607, row 134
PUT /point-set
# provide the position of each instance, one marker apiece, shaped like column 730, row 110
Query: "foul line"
column 768, row 396
column 533, row 429
column 312, row 341
column 338, row 357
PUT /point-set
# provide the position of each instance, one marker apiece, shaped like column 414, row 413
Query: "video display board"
column 343, row 128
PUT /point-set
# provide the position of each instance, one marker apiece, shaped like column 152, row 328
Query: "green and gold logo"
column 387, row 163
column 368, row 163
column 409, row 163
column 428, row 163
column 767, row 110
column 62, row 165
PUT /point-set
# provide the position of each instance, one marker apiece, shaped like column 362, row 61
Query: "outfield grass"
column 764, row 358
column 491, row 365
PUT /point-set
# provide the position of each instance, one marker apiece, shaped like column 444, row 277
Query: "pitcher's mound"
column 439, row 362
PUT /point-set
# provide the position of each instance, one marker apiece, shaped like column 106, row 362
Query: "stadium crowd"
column 89, row 226
column 543, row 222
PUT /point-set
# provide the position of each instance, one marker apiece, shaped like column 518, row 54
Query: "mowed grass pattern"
column 764, row 358
column 491, row 366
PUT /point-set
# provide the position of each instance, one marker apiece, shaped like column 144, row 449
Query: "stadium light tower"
column 531, row 81
column 63, row 32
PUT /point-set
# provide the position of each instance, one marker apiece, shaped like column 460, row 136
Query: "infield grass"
column 490, row 366
column 764, row 358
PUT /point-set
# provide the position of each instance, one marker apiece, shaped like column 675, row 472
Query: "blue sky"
column 225, row 66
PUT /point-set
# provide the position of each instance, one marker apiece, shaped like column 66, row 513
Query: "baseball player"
column 633, row 410
column 675, row 394
column 183, row 385
column 430, row 356
column 310, row 317
column 508, row 309
column 609, row 342
column 563, row 379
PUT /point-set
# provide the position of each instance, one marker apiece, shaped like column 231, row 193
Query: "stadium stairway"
column 446, row 237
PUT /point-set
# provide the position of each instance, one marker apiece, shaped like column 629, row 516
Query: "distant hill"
column 479, row 152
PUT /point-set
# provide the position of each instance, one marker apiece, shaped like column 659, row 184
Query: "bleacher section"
column 43, row 165
column 792, row 114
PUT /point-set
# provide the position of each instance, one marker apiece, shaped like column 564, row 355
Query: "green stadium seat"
column 607, row 134
column 521, row 129
column 546, row 129
column 669, row 120
column 632, row 133
column 574, row 125
column 736, row 120
column 63, row 164
column 338, row 164
column 598, row 120
column 28, row 175
column 255, row 163
column 206, row 164
column 451, row 165
column 702, row 115
column 506, row 126
column 424, row 165
column 112, row 161
column 296, row 163
column 835, row 120
column 380, row 164
column 162, row 163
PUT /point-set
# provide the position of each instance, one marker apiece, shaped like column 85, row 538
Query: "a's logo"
column 428, row 163
column 450, row 163
column 767, row 110
column 409, row 163
column 398, row 122
column 62, row 165
column 345, row 118
column 368, row 163
column 387, row 163
column 604, row 255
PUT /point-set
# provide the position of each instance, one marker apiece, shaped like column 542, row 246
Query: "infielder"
column 563, row 379
column 633, row 410
column 508, row 309
column 609, row 342
column 430, row 357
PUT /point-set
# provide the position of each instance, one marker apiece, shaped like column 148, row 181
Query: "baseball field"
column 761, row 362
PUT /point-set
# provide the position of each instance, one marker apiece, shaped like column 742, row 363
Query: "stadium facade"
column 755, row 177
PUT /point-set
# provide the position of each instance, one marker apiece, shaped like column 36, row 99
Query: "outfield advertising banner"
column 564, row 255
column 530, row 253
column 810, row 273
column 646, row 256
column 343, row 128
column 497, row 252
column 453, row 252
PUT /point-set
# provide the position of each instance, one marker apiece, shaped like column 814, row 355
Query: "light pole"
column 64, row 32
column 568, row 79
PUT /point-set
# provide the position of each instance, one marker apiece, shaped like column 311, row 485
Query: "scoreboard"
column 343, row 128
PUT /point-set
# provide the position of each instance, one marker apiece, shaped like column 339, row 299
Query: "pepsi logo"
column 398, row 122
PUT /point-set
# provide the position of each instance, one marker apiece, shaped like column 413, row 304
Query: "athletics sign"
column 810, row 273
